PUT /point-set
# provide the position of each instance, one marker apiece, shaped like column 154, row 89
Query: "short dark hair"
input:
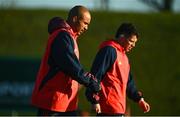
column 127, row 30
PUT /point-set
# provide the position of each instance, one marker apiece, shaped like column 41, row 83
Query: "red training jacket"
column 114, row 83
column 59, row 93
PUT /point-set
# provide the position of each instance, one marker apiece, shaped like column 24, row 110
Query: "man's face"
column 81, row 24
column 130, row 43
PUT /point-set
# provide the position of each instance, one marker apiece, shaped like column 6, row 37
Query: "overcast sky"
column 118, row 5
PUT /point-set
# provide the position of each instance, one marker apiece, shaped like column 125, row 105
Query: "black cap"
column 54, row 24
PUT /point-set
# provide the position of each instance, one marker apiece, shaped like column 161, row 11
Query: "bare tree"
column 8, row 3
column 160, row 5
column 105, row 4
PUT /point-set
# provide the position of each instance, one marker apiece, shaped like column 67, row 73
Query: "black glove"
column 91, row 96
column 93, row 83
column 94, row 86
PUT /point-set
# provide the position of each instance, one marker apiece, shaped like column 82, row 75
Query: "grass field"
column 154, row 61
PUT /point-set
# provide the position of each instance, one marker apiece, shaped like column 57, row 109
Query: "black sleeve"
column 104, row 59
column 63, row 56
column 131, row 90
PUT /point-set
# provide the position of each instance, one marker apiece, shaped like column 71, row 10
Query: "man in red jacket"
column 112, row 69
column 56, row 86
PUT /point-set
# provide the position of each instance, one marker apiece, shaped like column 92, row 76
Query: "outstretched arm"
column 63, row 56
column 136, row 95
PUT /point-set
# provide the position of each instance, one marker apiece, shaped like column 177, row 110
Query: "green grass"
column 154, row 61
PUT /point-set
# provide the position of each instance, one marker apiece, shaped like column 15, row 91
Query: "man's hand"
column 91, row 96
column 93, row 83
column 94, row 86
column 144, row 105
column 96, row 107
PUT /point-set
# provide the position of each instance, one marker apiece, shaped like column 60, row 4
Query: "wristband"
column 142, row 99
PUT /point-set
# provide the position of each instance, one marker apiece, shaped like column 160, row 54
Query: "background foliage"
column 154, row 61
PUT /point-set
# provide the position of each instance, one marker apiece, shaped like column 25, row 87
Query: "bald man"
column 56, row 86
